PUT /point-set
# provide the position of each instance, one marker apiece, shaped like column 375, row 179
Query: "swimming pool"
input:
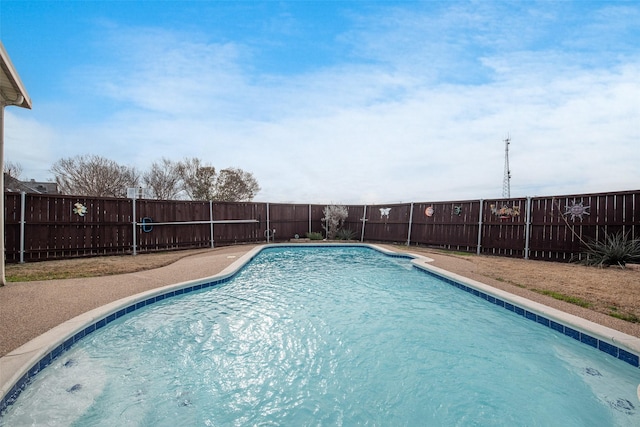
column 331, row 335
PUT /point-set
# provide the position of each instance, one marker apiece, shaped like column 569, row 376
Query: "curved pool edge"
column 590, row 333
column 21, row 364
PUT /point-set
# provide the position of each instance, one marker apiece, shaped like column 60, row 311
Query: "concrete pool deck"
column 30, row 309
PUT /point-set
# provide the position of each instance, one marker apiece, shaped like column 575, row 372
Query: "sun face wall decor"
column 576, row 210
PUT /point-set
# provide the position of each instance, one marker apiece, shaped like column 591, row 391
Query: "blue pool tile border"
column 48, row 358
column 604, row 346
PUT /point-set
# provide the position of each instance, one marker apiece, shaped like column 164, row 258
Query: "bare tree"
column 198, row 179
column 13, row 169
column 92, row 175
column 164, row 179
column 235, row 185
column 201, row 182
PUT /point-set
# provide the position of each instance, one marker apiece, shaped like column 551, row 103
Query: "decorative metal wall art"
column 429, row 211
column 576, row 210
column 79, row 209
column 505, row 212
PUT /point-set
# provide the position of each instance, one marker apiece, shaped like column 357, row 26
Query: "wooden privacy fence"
column 545, row 228
column 44, row 227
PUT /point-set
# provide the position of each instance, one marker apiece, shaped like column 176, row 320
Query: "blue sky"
column 336, row 101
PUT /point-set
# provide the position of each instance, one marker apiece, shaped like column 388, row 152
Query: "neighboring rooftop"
column 14, row 185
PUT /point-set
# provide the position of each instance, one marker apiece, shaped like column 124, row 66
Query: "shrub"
column 345, row 234
column 333, row 220
column 314, row 235
column 616, row 249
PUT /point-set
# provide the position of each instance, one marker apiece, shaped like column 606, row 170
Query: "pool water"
column 329, row 336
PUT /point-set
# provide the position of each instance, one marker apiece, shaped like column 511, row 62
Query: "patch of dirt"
column 607, row 290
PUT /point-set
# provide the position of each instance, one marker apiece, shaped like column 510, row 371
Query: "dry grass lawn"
column 92, row 267
column 613, row 291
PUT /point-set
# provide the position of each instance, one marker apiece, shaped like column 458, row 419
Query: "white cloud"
column 391, row 125
column 28, row 143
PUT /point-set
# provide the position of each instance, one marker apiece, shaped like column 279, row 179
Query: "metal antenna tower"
column 506, row 183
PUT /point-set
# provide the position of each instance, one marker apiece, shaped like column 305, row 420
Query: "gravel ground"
column 28, row 309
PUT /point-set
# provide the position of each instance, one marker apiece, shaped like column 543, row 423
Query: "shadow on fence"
column 45, row 227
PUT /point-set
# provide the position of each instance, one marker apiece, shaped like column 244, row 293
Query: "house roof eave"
column 12, row 91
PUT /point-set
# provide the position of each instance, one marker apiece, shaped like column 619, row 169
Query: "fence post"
column 135, row 223
column 23, row 203
column 364, row 221
column 479, row 229
column 211, row 218
column 410, row 223
column 527, row 229
column 310, row 218
column 268, row 230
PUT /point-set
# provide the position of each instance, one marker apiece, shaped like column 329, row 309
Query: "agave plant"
column 345, row 234
column 616, row 249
